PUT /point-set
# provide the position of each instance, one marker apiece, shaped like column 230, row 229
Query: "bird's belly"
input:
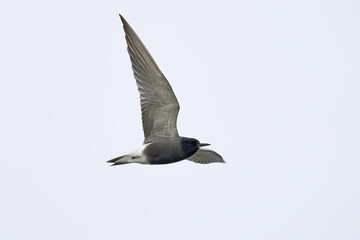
column 156, row 161
column 163, row 153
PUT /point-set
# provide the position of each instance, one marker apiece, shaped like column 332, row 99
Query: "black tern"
column 159, row 109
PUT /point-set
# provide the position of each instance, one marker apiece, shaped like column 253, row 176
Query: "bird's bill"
column 204, row 144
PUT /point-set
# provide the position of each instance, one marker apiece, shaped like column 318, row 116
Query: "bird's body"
column 159, row 107
column 166, row 151
column 161, row 152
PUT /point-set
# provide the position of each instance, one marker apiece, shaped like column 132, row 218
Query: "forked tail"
column 120, row 160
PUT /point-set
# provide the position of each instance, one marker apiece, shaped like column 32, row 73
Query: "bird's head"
column 191, row 145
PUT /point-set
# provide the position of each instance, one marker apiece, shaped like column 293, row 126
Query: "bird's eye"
column 191, row 142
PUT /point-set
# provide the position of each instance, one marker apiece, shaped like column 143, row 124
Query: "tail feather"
column 120, row 160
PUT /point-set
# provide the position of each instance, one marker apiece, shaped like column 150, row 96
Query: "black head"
column 191, row 145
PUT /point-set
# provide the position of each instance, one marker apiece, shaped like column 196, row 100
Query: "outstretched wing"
column 159, row 106
column 206, row 156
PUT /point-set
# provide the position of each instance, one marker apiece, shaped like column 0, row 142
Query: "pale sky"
column 273, row 85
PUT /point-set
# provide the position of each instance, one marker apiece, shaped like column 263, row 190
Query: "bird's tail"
column 120, row 160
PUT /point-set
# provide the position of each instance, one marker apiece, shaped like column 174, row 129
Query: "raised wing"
column 159, row 106
column 206, row 156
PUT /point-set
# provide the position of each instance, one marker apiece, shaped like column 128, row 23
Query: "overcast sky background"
column 273, row 86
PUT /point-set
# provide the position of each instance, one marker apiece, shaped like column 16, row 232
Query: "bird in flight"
column 159, row 109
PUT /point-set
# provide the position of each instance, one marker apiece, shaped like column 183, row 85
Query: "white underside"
column 137, row 156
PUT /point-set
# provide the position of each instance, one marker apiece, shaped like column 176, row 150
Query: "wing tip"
column 123, row 20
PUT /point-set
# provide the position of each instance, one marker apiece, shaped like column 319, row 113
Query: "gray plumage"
column 159, row 109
